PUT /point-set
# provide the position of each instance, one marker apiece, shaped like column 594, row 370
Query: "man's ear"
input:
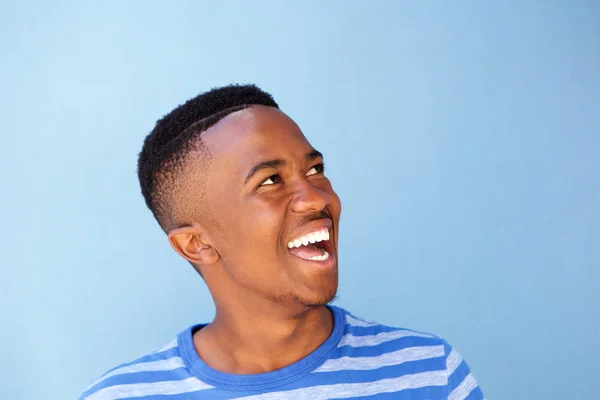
column 191, row 243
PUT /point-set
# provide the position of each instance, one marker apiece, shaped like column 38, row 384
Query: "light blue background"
column 462, row 137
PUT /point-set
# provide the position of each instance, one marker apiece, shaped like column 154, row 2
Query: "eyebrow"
column 277, row 163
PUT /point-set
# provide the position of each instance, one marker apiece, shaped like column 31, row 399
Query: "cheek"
column 257, row 227
column 266, row 219
column 335, row 203
column 255, row 259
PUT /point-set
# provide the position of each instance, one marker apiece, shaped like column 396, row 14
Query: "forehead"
column 252, row 135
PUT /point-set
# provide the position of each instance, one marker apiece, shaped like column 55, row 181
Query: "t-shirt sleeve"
column 461, row 382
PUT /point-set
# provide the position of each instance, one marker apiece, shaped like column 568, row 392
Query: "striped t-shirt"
column 360, row 359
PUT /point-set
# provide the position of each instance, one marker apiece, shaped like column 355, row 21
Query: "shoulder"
column 154, row 366
column 375, row 349
column 368, row 345
column 359, row 332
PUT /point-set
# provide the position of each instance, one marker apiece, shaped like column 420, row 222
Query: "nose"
column 308, row 198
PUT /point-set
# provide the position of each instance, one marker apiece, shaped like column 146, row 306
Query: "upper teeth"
column 313, row 237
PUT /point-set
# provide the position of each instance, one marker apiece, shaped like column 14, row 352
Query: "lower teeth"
column 322, row 257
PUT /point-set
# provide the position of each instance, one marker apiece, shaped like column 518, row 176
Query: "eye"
column 272, row 180
column 317, row 169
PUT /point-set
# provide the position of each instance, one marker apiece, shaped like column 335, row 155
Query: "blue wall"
column 462, row 137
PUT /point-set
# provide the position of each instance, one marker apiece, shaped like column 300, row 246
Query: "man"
column 243, row 197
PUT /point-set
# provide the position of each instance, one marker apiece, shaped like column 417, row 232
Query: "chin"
column 320, row 300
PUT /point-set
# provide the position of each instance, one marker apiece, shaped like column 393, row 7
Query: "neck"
column 253, row 343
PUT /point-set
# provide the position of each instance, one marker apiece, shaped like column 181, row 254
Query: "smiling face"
column 269, row 199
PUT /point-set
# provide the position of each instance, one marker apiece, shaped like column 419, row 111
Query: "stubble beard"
column 328, row 298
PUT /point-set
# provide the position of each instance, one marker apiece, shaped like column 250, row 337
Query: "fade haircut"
column 174, row 147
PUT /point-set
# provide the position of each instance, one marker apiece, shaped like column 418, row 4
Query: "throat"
column 255, row 350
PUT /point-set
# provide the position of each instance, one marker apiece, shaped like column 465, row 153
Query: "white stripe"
column 463, row 390
column 453, row 361
column 350, row 320
column 393, row 358
column 149, row 389
column 373, row 340
column 159, row 365
column 349, row 390
column 170, row 345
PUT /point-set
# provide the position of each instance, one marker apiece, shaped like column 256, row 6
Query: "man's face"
column 267, row 192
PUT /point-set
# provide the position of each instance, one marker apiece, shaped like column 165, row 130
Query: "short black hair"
column 165, row 150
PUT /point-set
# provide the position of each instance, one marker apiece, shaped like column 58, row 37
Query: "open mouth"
column 314, row 246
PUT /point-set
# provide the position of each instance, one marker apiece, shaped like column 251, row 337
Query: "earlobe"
column 188, row 242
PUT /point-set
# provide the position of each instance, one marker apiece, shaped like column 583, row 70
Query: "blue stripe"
column 375, row 329
column 458, row 376
column 371, row 330
column 476, row 394
column 429, row 392
column 347, row 376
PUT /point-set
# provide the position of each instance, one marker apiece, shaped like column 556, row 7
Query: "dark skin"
column 264, row 187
